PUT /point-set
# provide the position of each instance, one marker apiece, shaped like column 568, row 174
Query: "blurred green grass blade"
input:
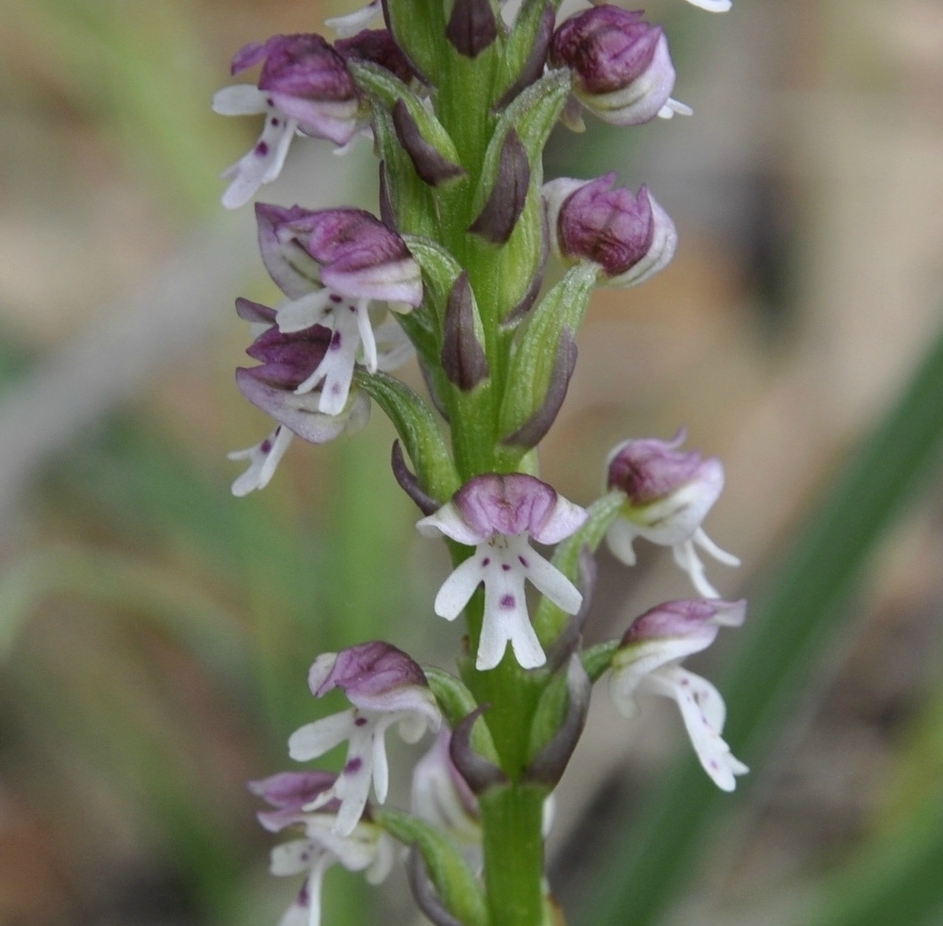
column 896, row 879
column 787, row 629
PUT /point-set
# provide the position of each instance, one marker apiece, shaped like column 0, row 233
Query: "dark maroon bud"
column 472, row 27
column 480, row 775
column 430, row 165
column 377, row 46
column 548, row 765
column 532, row 431
column 505, row 203
column 463, row 357
column 409, row 483
column 424, row 892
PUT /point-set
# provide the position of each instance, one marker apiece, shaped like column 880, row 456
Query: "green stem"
column 511, row 820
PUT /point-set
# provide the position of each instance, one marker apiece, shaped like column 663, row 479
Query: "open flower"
column 621, row 68
column 630, row 237
column 334, row 265
column 649, row 662
column 365, row 848
column 285, row 361
column 498, row 514
column 304, row 87
column 668, row 495
column 385, row 687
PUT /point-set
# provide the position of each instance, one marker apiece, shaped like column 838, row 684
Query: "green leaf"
column 418, row 430
column 419, row 30
column 388, row 90
column 786, row 634
column 455, row 884
column 534, row 355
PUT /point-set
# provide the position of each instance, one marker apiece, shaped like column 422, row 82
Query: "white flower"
column 386, row 688
column 668, row 495
column 498, row 514
column 649, row 662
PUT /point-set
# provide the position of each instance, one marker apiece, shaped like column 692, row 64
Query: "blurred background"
column 155, row 632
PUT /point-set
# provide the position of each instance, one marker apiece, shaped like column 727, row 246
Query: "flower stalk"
column 460, row 98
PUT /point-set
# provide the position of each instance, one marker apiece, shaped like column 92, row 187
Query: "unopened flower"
column 304, row 87
column 649, row 662
column 621, row 68
column 498, row 514
column 668, row 495
column 365, row 848
column 385, row 687
column 333, row 264
column 441, row 796
column 630, row 237
column 285, row 361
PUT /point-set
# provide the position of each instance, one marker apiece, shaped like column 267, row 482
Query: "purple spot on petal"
column 336, row 389
column 353, row 766
column 351, row 308
column 714, row 765
column 506, row 567
column 266, row 446
column 360, row 721
column 335, row 298
column 305, row 856
column 274, row 120
column 508, row 602
column 486, row 562
column 685, row 682
column 269, row 101
column 522, row 561
column 335, row 341
column 261, row 149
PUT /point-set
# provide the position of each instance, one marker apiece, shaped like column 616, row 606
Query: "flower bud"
column 630, row 237
column 621, row 67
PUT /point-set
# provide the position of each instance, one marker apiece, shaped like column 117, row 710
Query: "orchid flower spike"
column 365, row 848
column 497, row 514
column 630, row 237
column 286, row 360
column 622, row 71
column 304, row 87
column 668, row 495
column 649, row 662
column 386, row 687
column 332, row 264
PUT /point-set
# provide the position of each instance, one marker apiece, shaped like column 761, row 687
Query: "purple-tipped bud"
column 505, row 202
column 472, row 27
column 631, row 237
column 621, row 67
